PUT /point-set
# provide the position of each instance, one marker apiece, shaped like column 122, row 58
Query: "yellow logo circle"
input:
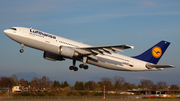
column 156, row 52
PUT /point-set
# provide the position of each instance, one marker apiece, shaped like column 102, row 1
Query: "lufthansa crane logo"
column 156, row 52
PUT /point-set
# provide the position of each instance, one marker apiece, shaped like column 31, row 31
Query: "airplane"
column 58, row 49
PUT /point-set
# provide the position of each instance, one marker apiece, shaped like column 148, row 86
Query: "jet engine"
column 68, row 52
column 52, row 57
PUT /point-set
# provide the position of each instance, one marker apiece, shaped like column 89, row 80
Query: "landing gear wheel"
column 71, row 68
column 75, row 68
column 22, row 46
column 81, row 66
column 86, row 67
column 21, row 51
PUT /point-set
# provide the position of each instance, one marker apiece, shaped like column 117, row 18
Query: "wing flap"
column 103, row 49
column 96, row 51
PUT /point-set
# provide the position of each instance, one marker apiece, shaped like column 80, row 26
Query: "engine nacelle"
column 68, row 52
column 52, row 57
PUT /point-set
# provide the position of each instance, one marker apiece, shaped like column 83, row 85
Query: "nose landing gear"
column 21, row 50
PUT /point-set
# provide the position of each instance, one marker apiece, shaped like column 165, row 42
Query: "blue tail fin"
column 153, row 54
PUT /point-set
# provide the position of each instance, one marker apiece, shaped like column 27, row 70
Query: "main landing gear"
column 83, row 66
column 80, row 66
column 73, row 67
column 21, row 50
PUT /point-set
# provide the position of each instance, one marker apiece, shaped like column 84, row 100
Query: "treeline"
column 117, row 83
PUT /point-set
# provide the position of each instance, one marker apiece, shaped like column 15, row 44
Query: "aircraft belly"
column 43, row 46
column 108, row 64
column 110, row 61
column 117, row 65
column 36, row 44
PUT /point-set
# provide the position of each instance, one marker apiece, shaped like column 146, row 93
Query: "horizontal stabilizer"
column 159, row 66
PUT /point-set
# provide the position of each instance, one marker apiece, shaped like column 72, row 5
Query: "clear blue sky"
column 140, row 23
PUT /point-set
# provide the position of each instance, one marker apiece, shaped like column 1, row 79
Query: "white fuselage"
column 51, row 43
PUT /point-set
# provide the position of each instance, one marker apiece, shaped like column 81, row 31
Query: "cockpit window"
column 13, row 29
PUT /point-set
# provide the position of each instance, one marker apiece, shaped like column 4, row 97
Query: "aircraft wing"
column 103, row 49
column 159, row 66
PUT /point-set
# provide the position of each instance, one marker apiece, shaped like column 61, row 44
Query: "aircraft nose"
column 6, row 31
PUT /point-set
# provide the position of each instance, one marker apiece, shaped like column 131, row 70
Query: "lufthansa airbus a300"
column 58, row 49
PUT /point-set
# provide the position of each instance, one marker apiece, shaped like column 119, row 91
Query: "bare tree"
column 107, row 82
column 146, row 83
column 14, row 77
column 6, row 82
column 161, row 84
column 35, row 82
column 126, row 86
column 174, row 87
column 118, row 82
column 43, row 81
column 23, row 82
column 155, row 87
